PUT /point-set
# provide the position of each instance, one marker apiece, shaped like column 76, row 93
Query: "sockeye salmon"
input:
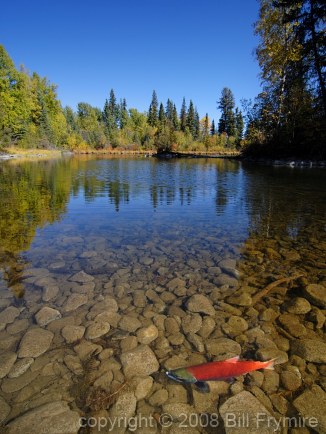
column 216, row 371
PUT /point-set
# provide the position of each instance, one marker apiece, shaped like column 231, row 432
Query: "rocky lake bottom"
column 97, row 304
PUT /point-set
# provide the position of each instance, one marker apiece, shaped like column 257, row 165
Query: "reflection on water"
column 150, row 235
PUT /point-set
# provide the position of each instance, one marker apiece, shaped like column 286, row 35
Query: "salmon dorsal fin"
column 233, row 359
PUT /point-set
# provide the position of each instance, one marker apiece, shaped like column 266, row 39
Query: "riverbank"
column 13, row 153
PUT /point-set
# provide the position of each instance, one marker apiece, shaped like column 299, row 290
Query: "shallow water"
column 133, row 226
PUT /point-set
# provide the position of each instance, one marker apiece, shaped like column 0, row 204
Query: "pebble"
column 72, row 333
column 75, row 301
column 291, row 380
column 146, row 335
column 140, row 361
column 6, row 362
column 201, row 304
column 47, row 315
column 20, row 367
column 35, row 342
column 223, row 348
column 97, row 329
column 9, row 315
column 298, row 306
column 235, row 326
column 50, row 292
column 244, row 403
column 311, row 404
column 129, row 323
column 316, row 294
column 52, row 418
column 292, row 324
column 4, row 409
column 81, row 277
column 309, row 349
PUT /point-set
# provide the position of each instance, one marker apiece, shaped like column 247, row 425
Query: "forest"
column 286, row 119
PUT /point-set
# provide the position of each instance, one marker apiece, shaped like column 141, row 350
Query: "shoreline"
column 37, row 154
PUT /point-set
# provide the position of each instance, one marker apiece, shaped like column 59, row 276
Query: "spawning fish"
column 216, row 371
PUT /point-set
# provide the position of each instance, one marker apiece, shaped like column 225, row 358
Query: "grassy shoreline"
column 13, row 152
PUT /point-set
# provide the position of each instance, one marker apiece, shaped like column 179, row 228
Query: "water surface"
column 134, row 225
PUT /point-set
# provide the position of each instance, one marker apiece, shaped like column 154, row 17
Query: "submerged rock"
column 47, row 315
column 4, row 409
column 81, row 277
column 35, row 342
column 9, row 315
column 75, row 301
column 201, row 304
column 6, row 362
column 140, row 361
column 53, row 418
column 310, row 349
column 311, row 405
column 244, row 413
column 316, row 294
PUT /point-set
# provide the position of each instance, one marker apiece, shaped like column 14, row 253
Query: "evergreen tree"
column 161, row 115
column 191, row 121
column 226, row 105
column 239, row 124
column 212, row 130
column 197, row 125
column 169, row 111
column 175, row 119
column 123, row 114
column 183, row 116
column 111, row 114
column 152, row 118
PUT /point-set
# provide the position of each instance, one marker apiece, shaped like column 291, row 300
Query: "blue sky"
column 177, row 47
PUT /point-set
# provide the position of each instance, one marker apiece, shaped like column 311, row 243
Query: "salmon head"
column 182, row 375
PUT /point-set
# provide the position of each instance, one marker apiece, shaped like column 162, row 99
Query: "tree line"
column 31, row 115
column 287, row 118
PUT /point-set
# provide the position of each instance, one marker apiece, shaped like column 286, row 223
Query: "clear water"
column 154, row 220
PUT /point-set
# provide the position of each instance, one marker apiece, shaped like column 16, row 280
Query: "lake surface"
column 119, row 249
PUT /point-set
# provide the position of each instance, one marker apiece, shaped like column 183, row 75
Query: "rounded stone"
column 46, row 315
column 72, row 333
column 201, row 304
column 146, row 335
column 97, row 329
column 35, row 342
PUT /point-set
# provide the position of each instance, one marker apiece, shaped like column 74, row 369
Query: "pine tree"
column 152, row 118
column 183, row 116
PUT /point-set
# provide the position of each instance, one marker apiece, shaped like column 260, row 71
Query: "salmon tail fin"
column 270, row 364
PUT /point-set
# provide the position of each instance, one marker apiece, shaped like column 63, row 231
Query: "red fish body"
column 214, row 371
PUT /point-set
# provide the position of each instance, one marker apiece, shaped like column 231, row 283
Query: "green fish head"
column 181, row 375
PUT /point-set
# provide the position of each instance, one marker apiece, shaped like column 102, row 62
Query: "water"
column 136, row 224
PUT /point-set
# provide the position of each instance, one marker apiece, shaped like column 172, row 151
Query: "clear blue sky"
column 179, row 48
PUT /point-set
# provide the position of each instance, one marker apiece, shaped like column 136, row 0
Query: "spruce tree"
column 239, row 124
column 191, row 122
column 161, row 115
column 152, row 118
column 183, row 116
column 123, row 114
column 175, row 119
column 226, row 105
column 212, row 130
